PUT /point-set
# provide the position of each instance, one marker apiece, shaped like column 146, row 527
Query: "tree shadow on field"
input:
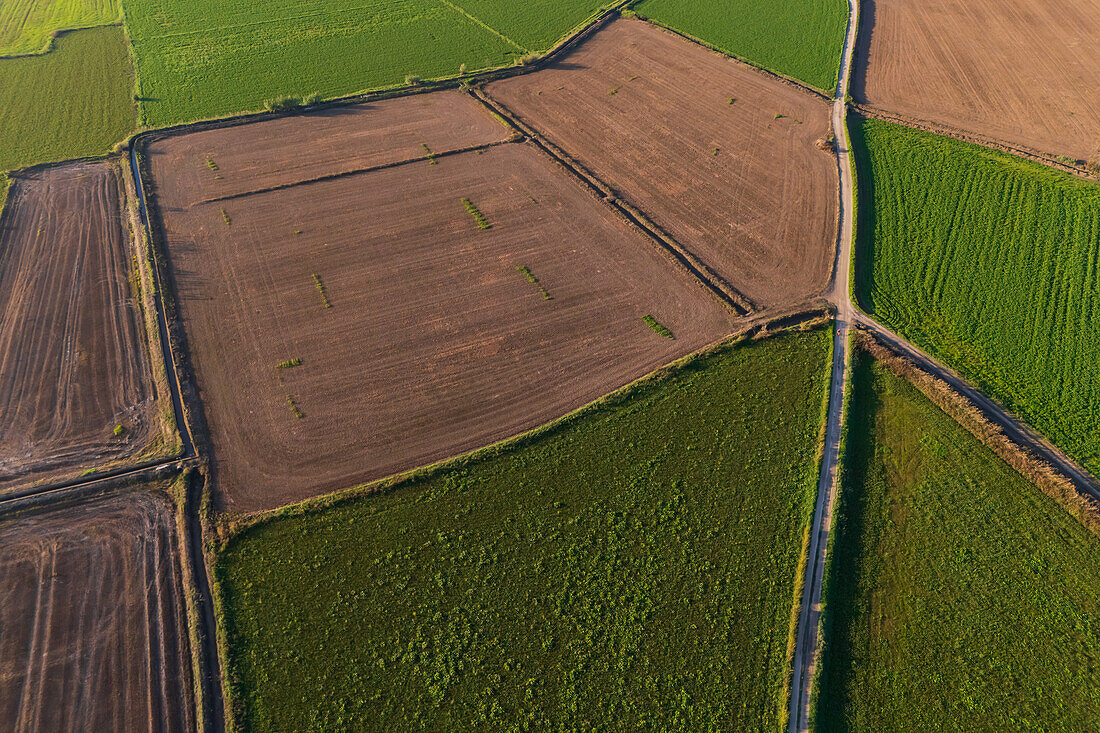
column 568, row 66
column 864, row 33
column 340, row 110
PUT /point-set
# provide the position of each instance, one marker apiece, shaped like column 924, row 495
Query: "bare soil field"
column 1023, row 72
column 418, row 332
column 229, row 160
column 92, row 628
column 73, row 364
column 719, row 155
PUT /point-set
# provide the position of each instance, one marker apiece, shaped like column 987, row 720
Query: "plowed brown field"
column 1020, row 71
column 73, row 364
column 92, row 631
column 741, row 184
column 434, row 343
column 335, row 140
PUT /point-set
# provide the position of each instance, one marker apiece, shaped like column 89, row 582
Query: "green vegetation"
column 75, row 101
column 288, row 104
column 631, row 567
column 294, row 407
column 5, row 184
column 119, row 430
column 226, row 218
column 799, row 38
column 429, row 154
column 657, row 327
column 959, row 592
column 27, row 26
column 526, row 272
column 992, row 264
column 482, row 222
column 209, row 58
column 289, row 363
column 320, row 285
column 211, row 164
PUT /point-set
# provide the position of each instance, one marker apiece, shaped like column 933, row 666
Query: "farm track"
column 807, row 638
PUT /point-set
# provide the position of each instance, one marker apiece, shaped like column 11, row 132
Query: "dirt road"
column 806, row 644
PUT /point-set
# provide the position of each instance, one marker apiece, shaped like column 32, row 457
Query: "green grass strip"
column 482, row 222
column 657, row 327
column 526, row 272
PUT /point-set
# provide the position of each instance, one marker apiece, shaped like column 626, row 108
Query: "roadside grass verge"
column 207, row 58
column 991, row 264
column 798, row 38
column 28, row 26
column 75, row 101
column 958, row 591
column 635, row 563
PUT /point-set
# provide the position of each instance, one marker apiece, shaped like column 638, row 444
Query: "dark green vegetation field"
column 74, row 101
column 208, row 58
column 632, row 569
column 992, row 264
column 800, row 38
column 963, row 598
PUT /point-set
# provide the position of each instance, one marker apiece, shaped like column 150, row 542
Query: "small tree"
column 462, row 70
column 412, row 80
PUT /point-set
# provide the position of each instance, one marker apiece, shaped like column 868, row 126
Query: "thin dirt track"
column 648, row 113
column 331, row 140
column 434, row 343
column 92, row 633
column 1019, row 71
column 73, row 363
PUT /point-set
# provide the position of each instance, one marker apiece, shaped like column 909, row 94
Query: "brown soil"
column 434, row 343
column 333, row 140
column 92, row 634
column 72, row 360
column 1023, row 72
column 649, row 113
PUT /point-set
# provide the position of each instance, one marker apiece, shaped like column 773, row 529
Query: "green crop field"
column 209, row 58
column 799, row 38
column 26, row 26
column 992, row 264
column 635, row 565
column 74, row 101
column 961, row 597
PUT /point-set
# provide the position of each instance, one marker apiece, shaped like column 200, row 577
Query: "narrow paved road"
column 806, row 641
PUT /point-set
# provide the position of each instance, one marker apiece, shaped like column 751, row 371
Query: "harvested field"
column 92, row 629
column 1023, row 72
column 231, row 160
column 740, row 184
column 432, row 342
column 73, row 364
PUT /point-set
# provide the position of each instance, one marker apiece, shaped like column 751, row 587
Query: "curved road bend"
column 806, row 641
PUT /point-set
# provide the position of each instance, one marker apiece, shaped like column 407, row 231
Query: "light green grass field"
column 992, row 264
column 74, row 101
column 961, row 597
column 26, row 26
column 632, row 569
column 207, row 58
column 799, row 38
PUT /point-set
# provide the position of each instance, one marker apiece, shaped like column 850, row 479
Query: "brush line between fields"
column 354, row 172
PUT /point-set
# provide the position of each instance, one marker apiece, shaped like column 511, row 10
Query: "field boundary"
column 358, row 171
column 777, row 76
column 1023, row 456
column 1020, row 151
column 684, row 257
